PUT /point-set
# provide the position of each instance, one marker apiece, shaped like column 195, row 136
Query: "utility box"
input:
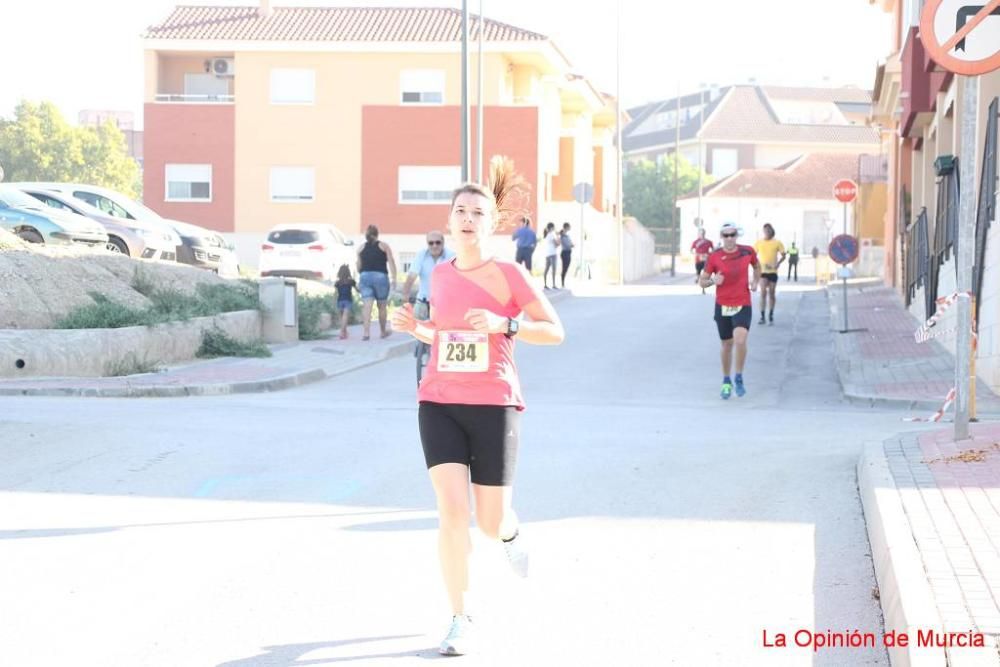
column 279, row 305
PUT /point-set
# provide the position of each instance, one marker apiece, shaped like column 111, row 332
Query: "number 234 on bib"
column 463, row 352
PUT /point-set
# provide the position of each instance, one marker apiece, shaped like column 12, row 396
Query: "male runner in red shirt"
column 702, row 248
column 726, row 268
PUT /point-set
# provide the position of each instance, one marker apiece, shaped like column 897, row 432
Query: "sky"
column 87, row 54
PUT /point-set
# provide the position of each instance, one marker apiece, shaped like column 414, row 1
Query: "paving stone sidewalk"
column 878, row 360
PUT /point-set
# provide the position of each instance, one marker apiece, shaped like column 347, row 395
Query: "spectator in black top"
column 378, row 270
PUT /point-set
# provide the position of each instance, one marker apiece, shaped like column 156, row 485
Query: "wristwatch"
column 513, row 326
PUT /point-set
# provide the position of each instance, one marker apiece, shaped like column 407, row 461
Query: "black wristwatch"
column 512, row 327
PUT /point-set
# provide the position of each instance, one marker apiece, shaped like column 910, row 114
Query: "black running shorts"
column 773, row 277
column 698, row 267
column 483, row 437
column 726, row 323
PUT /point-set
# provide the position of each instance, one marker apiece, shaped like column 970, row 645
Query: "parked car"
column 127, row 237
column 305, row 250
column 34, row 222
column 118, row 205
column 206, row 249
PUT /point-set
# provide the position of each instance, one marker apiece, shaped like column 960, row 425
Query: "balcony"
column 922, row 81
column 192, row 98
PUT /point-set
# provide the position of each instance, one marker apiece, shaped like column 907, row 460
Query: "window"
column 725, row 161
column 422, row 86
column 102, row 204
column 428, row 185
column 293, row 86
column 293, row 184
column 189, row 182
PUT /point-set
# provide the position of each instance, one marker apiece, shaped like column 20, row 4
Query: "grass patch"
column 217, row 343
column 103, row 314
column 130, row 365
column 168, row 305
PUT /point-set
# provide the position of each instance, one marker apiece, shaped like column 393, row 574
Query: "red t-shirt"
column 735, row 289
column 702, row 246
column 453, row 293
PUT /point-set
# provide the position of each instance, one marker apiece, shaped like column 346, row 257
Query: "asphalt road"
column 297, row 528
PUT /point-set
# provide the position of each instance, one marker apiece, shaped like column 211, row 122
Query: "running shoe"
column 740, row 389
column 517, row 555
column 727, row 391
column 762, row 320
column 460, row 637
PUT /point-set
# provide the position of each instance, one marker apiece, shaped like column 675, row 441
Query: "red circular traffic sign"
column 962, row 37
column 843, row 249
column 845, row 190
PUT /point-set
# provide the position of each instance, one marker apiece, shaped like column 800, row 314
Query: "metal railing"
column 194, row 99
column 986, row 211
column 918, row 257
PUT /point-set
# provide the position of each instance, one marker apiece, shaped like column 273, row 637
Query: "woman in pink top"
column 470, row 396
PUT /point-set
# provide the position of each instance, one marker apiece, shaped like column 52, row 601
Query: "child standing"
column 345, row 298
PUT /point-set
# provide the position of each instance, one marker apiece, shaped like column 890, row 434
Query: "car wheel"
column 117, row 246
column 31, row 236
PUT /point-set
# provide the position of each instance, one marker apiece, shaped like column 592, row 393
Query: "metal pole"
column 845, row 275
column 619, row 214
column 465, row 91
column 966, row 239
column 479, row 98
column 580, row 261
column 701, row 122
column 673, row 198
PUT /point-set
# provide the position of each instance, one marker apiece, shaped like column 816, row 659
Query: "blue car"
column 28, row 218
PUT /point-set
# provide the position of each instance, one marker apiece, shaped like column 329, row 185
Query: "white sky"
column 88, row 53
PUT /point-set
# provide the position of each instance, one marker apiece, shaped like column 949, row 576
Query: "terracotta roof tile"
column 810, row 177
column 746, row 115
column 328, row 24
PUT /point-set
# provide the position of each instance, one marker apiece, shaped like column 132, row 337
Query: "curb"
column 279, row 383
column 904, row 594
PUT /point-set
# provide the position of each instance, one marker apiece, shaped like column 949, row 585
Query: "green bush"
column 311, row 308
column 103, row 314
column 217, row 343
column 167, row 305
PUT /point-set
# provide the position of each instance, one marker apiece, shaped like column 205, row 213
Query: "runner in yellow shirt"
column 771, row 253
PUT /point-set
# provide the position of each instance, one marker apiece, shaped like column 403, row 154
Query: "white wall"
column 786, row 215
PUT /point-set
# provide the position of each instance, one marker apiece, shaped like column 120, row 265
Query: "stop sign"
column 845, row 190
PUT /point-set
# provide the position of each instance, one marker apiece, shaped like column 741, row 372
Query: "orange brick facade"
column 191, row 134
column 394, row 136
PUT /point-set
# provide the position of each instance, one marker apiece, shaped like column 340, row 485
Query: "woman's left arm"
column 544, row 326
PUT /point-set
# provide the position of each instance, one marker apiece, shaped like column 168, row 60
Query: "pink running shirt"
column 453, row 293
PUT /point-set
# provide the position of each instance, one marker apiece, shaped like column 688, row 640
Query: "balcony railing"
column 194, row 99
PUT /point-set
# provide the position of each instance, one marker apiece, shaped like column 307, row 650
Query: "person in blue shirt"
column 421, row 268
column 525, row 240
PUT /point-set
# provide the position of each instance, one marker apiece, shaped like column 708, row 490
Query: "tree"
column 39, row 145
column 648, row 191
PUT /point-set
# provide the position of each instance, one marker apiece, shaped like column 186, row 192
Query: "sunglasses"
column 435, row 242
column 729, row 236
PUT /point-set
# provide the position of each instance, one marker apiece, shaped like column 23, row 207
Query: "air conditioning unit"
column 223, row 66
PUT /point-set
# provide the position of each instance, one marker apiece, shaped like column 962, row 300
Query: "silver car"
column 35, row 222
column 121, row 238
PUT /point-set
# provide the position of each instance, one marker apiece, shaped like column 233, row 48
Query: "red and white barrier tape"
column 923, row 334
column 936, row 417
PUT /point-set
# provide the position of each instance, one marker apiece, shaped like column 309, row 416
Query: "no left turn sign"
column 962, row 36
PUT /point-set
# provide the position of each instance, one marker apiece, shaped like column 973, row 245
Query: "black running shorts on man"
column 726, row 323
column 483, row 437
column 773, row 277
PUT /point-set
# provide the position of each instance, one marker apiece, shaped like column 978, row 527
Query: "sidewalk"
column 880, row 363
column 931, row 505
column 292, row 365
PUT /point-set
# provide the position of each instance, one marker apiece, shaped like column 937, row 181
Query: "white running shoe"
column 517, row 554
column 460, row 637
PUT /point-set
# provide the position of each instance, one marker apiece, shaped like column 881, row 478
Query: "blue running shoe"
column 740, row 389
column 727, row 391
